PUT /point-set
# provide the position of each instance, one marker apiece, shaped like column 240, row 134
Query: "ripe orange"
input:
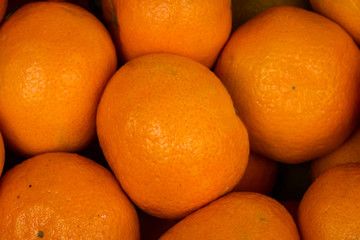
column 294, row 77
column 330, row 207
column 242, row 215
column 348, row 152
column 344, row 12
column 2, row 154
column 244, row 10
column 169, row 131
column 64, row 196
column 3, row 6
column 260, row 175
column 53, row 71
column 197, row 29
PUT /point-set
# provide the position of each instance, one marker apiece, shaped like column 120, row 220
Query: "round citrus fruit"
column 348, row 152
column 330, row 207
column 64, row 196
column 294, row 78
column 244, row 10
column 169, row 131
column 197, row 29
column 344, row 12
column 260, row 175
column 53, row 71
column 242, row 215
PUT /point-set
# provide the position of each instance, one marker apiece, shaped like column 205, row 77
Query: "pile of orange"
column 182, row 119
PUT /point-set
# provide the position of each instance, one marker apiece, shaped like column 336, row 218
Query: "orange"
column 169, row 131
column 260, row 175
column 197, row 29
column 330, row 207
column 53, row 71
column 64, row 196
column 344, row 12
column 294, row 78
column 3, row 6
column 348, row 152
column 242, row 215
column 244, row 10
column 2, row 154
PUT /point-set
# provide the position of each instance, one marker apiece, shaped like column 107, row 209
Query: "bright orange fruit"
column 241, row 215
column 330, row 207
column 344, row 12
column 53, row 71
column 294, row 77
column 197, row 29
column 64, row 196
column 169, row 131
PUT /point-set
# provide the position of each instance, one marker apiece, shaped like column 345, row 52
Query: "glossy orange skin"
column 260, row 175
column 344, row 12
column 197, row 29
column 2, row 154
column 241, row 215
column 170, row 134
column 330, row 207
column 294, row 77
column 64, row 196
column 348, row 152
column 53, row 71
